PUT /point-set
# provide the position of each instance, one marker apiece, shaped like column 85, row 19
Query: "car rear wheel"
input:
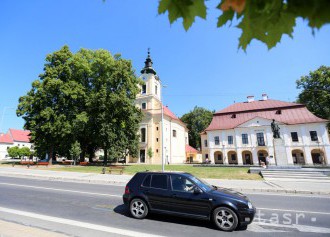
column 138, row 208
column 225, row 219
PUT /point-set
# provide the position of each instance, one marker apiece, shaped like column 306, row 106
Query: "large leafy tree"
column 315, row 91
column 197, row 120
column 86, row 97
column 264, row 20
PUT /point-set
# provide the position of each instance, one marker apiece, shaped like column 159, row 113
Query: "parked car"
column 185, row 195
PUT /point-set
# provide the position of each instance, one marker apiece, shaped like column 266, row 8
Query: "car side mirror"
column 197, row 190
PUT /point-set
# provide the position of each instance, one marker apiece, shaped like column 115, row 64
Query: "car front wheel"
column 225, row 219
column 138, row 208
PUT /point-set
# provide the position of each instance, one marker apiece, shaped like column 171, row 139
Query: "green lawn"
column 202, row 172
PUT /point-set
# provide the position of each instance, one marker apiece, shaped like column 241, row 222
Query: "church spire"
column 148, row 65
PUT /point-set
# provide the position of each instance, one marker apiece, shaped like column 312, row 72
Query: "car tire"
column 225, row 219
column 138, row 208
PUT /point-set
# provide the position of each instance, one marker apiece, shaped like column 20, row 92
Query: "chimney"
column 264, row 97
column 250, row 98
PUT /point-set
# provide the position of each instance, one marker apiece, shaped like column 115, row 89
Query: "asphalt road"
column 80, row 209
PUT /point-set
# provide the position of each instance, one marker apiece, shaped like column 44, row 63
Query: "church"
column 157, row 117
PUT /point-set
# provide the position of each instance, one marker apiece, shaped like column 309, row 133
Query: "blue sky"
column 200, row 67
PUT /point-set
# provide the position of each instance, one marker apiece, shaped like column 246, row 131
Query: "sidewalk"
column 9, row 229
column 310, row 187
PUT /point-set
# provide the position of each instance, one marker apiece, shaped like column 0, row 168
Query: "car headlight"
column 250, row 205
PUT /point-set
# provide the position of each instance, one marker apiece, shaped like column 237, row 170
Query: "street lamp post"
column 163, row 152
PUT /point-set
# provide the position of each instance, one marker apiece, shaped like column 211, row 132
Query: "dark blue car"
column 185, row 195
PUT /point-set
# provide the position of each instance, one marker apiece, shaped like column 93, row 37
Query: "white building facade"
column 14, row 137
column 175, row 131
column 241, row 134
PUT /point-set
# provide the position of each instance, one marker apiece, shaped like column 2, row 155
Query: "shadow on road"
column 122, row 210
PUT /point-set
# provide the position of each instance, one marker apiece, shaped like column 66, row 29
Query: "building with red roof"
column 14, row 137
column 242, row 134
column 156, row 117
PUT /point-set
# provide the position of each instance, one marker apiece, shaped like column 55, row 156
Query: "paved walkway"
column 308, row 187
column 9, row 229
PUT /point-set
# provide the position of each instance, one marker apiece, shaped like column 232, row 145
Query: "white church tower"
column 175, row 131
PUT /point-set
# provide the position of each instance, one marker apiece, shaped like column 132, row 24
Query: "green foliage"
column 185, row 9
column 13, row 152
column 263, row 20
column 86, row 97
column 315, row 92
column 24, row 151
column 197, row 121
column 150, row 153
column 75, row 151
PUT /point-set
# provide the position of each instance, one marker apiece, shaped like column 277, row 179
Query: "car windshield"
column 202, row 184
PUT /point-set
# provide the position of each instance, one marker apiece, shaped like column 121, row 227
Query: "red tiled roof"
column 20, row 135
column 190, row 149
column 6, row 138
column 291, row 113
column 169, row 113
column 256, row 105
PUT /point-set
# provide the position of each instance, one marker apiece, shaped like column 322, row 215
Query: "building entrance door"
column 142, row 156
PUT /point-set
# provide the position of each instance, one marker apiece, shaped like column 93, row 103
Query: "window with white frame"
column 216, row 140
column 143, row 134
column 245, row 139
column 313, row 135
column 230, row 140
column 144, row 105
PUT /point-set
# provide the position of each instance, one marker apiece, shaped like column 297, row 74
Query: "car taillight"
column 126, row 190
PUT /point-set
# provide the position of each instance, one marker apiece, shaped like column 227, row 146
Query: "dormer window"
column 278, row 111
column 144, row 89
column 233, row 116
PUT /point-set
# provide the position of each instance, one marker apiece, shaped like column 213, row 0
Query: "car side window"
column 159, row 181
column 182, row 184
column 146, row 181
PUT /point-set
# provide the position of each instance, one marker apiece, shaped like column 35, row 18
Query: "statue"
column 275, row 129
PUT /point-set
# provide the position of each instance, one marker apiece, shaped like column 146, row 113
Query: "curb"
column 119, row 183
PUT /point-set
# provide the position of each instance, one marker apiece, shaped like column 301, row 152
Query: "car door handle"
column 174, row 195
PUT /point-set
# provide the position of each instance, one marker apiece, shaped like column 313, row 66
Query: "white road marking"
column 288, row 195
column 80, row 224
column 298, row 211
column 62, row 190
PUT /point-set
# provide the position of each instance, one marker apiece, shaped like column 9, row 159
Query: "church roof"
column 284, row 112
column 171, row 115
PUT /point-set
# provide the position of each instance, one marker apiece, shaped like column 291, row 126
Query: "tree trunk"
column 82, row 156
column 50, row 156
column 105, row 161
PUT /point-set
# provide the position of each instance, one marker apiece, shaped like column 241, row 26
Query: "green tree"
column 13, row 152
column 315, row 92
column 264, row 20
column 150, row 152
column 86, row 97
column 75, row 151
column 24, row 151
column 197, row 121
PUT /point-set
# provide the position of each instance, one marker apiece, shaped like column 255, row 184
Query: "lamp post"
column 163, row 140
